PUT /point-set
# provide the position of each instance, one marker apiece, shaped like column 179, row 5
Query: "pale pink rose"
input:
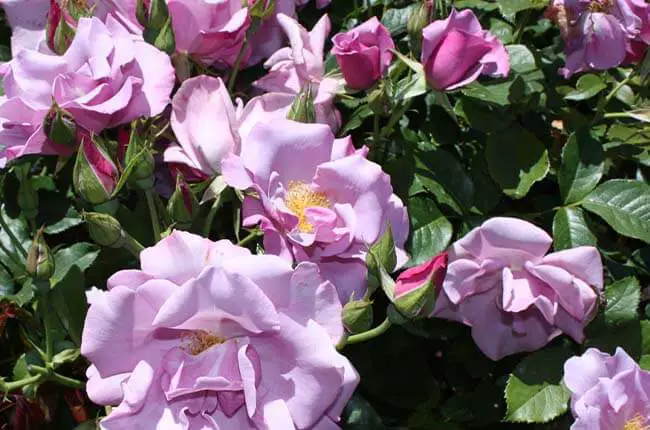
column 107, row 77
column 27, row 19
column 608, row 392
column 364, row 53
column 317, row 199
column 204, row 120
column 291, row 68
column 456, row 51
column 516, row 298
column 206, row 335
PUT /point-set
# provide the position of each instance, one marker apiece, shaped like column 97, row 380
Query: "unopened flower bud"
column 154, row 16
column 420, row 18
column 139, row 161
column 104, row 229
column 60, row 127
column 302, row 109
column 95, row 175
column 415, row 289
column 357, row 316
column 183, row 205
column 40, row 261
column 59, row 32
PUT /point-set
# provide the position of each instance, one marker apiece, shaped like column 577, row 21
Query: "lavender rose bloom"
column 601, row 34
column 107, row 77
column 456, row 51
column 364, row 53
column 317, row 199
column 608, row 392
column 206, row 335
column 516, row 298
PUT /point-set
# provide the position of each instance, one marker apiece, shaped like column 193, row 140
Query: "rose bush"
column 330, row 214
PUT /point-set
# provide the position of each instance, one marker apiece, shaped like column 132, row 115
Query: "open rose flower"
column 27, row 19
column 364, row 53
column 516, row 298
column 608, row 392
column 204, row 120
column 206, row 335
column 456, row 51
column 601, row 34
column 107, row 77
column 317, row 199
column 291, row 68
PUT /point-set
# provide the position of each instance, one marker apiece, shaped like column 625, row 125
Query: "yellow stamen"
column 637, row 423
column 300, row 196
column 600, row 5
column 200, row 340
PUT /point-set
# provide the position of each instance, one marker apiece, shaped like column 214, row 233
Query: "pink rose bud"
column 415, row 289
column 364, row 53
column 183, row 205
column 95, row 175
column 456, row 51
column 59, row 31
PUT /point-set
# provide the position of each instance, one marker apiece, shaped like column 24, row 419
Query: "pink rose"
column 456, row 51
column 500, row 282
column 27, row 19
column 364, row 53
column 206, row 335
column 316, row 199
column 415, row 289
column 211, row 32
column 107, row 77
column 291, row 68
column 599, row 35
column 205, row 123
column 608, row 392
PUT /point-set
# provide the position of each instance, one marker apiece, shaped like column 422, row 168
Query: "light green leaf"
column 535, row 392
column 622, row 301
column 570, row 229
column 395, row 19
column 431, row 231
column 511, row 7
column 587, row 87
column 521, row 59
column 624, row 205
column 516, row 160
column 582, row 166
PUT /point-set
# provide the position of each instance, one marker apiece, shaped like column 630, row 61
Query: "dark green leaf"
column 535, row 392
column 570, row 229
column 582, row 166
column 625, row 205
column 442, row 168
column 81, row 255
column 622, row 302
column 69, row 301
column 360, row 415
column 587, row 87
column 511, row 7
column 516, row 160
column 431, row 231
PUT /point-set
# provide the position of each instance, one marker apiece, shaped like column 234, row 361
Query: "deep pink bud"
column 95, row 174
column 415, row 289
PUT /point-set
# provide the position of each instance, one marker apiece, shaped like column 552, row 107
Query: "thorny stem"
column 252, row 236
column 235, row 67
column 53, row 376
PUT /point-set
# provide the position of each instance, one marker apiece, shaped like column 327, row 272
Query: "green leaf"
column 535, row 392
column 395, row 19
column 81, row 255
column 66, row 356
column 624, row 205
column 516, row 160
column 431, row 231
column 70, row 220
column 570, row 229
column 11, row 257
column 439, row 167
column 622, row 301
column 493, row 93
column 582, row 166
column 511, row 7
column 69, row 301
column 521, row 59
column 384, row 250
column 360, row 415
column 355, row 120
column 587, row 87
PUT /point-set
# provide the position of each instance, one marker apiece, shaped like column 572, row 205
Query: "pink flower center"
column 301, row 196
column 197, row 341
column 636, row 423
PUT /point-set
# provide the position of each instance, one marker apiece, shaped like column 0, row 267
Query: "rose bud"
column 364, row 53
column 40, row 261
column 132, row 149
column 27, row 198
column 60, row 127
column 183, row 205
column 455, row 51
column 357, row 316
column 415, row 289
column 59, row 29
column 95, row 175
column 302, row 109
column 104, row 230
